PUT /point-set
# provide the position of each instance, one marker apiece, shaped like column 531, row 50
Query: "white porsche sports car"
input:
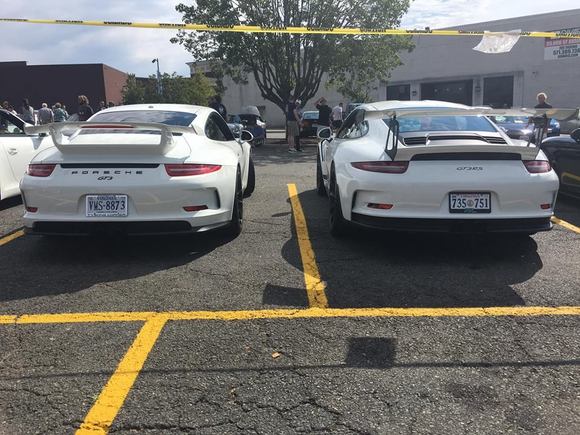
column 433, row 166
column 16, row 150
column 139, row 169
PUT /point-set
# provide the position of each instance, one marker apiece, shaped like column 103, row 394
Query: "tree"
column 176, row 89
column 284, row 64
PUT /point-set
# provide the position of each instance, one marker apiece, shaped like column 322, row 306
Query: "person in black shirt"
column 324, row 111
column 85, row 111
column 542, row 104
column 216, row 104
column 292, row 128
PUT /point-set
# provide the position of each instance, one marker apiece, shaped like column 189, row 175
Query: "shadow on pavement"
column 568, row 208
column 278, row 154
column 36, row 266
column 382, row 269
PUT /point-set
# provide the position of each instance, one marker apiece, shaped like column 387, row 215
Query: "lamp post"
column 159, row 85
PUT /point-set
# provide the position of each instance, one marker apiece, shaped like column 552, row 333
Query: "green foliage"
column 284, row 64
column 175, row 89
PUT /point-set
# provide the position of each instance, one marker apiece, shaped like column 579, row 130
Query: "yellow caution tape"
column 282, row 29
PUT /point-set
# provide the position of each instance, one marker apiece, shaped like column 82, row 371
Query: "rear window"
column 444, row 123
column 168, row 117
column 310, row 115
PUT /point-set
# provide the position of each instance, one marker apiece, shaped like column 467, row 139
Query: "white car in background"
column 139, row 169
column 433, row 166
column 16, row 150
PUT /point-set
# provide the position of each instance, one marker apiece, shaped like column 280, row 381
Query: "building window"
column 399, row 92
column 498, row 92
column 454, row 92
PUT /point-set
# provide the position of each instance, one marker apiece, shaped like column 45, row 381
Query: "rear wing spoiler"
column 539, row 117
column 66, row 143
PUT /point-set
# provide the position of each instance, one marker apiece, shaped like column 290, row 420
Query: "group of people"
column 57, row 113
column 327, row 117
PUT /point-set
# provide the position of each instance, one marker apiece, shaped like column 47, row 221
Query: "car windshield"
column 444, row 123
column 310, row 115
column 168, row 117
column 512, row 119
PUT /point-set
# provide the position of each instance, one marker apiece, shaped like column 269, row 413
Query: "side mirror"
column 576, row 135
column 325, row 133
column 247, row 136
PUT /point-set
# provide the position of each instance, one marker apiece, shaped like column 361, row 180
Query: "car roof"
column 154, row 106
column 395, row 104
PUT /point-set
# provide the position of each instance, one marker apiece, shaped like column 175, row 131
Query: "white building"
column 447, row 68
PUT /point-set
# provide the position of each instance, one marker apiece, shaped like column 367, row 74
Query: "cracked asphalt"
column 425, row 375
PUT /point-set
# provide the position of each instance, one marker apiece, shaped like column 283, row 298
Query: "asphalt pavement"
column 414, row 334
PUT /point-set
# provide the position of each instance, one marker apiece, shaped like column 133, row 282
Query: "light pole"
column 159, row 85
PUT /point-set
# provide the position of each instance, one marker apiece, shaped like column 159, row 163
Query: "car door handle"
column 12, row 151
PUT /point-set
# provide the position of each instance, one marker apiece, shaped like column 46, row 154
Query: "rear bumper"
column 528, row 225
column 76, row 228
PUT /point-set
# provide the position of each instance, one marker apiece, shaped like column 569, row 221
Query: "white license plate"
column 470, row 202
column 106, row 205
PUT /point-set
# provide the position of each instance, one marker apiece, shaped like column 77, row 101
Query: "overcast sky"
column 132, row 50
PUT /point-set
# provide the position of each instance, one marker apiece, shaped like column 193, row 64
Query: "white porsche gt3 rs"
column 139, row 169
column 433, row 166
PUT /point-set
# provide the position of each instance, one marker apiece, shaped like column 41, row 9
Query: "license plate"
column 106, row 205
column 469, row 202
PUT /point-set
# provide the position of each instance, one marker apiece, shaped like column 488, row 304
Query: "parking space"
column 286, row 329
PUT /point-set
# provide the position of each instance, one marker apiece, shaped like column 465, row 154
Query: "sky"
column 132, row 50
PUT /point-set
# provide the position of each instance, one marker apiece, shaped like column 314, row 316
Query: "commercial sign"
column 562, row 48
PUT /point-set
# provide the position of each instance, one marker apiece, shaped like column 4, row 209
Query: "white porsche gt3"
column 433, row 166
column 139, row 169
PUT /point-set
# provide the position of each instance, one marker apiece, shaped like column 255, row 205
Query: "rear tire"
column 338, row 224
column 234, row 228
column 251, row 185
column 320, row 189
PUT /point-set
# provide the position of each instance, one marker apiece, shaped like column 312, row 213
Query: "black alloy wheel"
column 235, row 226
column 251, row 185
column 338, row 224
column 320, row 189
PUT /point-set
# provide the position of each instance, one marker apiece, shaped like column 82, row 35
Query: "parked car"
column 519, row 127
column 253, row 122
column 159, row 168
column 235, row 125
column 564, row 155
column 432, row 166
column 16, row 150
column 309, row 123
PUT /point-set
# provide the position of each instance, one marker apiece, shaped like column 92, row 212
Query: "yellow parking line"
column 315, row 287
column 7, row 239
column 310, row 313
column 565, row 224
column 109, row 402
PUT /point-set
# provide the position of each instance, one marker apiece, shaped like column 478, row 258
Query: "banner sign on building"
column 562, row 48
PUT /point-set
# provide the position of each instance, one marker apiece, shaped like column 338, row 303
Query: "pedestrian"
column 111, row 104
column 292, row 129
column 336, row 116
column 219, row 107
column 27, row 112
column 324, row 112
column 300, row 113
column 85, row 110
column 542, row 104
column 102, row 106
column 65, row 111
column 45, row 115
column 59, row 114
column 8, row 107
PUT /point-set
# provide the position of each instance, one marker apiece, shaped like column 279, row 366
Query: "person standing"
column 216, row 104
column 542, row 101
column 292, row 129
column 324, row 112
column 336, row 116
column 45, row 115
column 27, row 112
column 85, row 110
column 300, row 114
column 59, row 114
column 102, row 106
column 8, row 107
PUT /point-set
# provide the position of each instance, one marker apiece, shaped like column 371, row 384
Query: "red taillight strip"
column 537, row 166
column 189, row 169
column 40, row 170
column 382, row 167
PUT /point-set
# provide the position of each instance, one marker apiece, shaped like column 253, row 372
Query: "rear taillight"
column 36, row 170
column 188, row 169
column 383, row 167
column 537, row 166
